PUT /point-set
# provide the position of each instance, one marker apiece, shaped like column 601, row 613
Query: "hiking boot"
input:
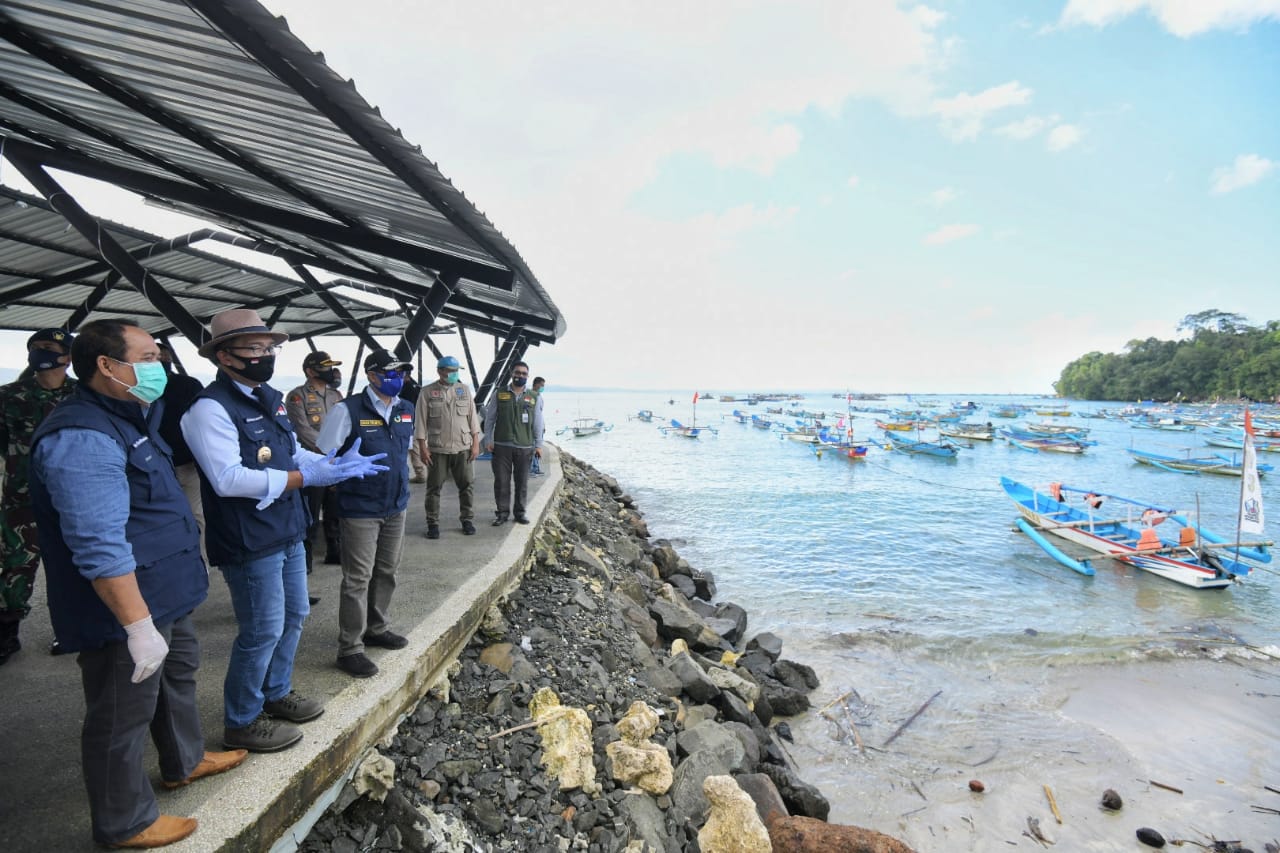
column 499, row 521
column 385, row 640
column 165, row 830
column 294, row 707
column 262, row 735
column 357, row 665
column 433, row 531
column 468, row 528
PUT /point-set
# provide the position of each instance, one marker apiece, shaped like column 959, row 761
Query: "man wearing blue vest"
column 122, row 552
column 371, row 510
column 513, row 434
column 251, row 470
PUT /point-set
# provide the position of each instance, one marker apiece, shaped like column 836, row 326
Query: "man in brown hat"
column 252, row 470
column 23, row 405
column 307, row 406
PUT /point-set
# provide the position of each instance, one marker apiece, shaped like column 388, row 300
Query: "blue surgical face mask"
column 389, row 383
column 151, row 377
column 452, row 377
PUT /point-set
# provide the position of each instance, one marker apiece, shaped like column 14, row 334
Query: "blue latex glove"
column 328, row 471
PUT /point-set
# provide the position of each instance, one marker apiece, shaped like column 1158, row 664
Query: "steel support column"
column 335, row 305
column 425, row 316
column 514, row 343
column 92, row 301
column 112, row 252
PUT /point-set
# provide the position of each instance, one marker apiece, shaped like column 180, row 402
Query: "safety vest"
column 387, row 493
column 513, row 423
column 161, row 530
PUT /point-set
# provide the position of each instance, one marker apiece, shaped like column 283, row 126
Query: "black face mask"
column 43, row 359
column 258, row 369
column 518, row 381
column 335, row 380
column 328, row 377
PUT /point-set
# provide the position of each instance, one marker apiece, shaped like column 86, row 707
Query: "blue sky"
column 949, row 197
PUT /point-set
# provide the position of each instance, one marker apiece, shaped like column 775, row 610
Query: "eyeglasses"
column 258, row 350
column 520, row 374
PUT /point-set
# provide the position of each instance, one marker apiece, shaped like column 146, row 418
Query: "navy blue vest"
column 161, row 529
column 387, row 493
column 236, row 531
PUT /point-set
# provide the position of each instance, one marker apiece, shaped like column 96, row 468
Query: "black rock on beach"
column 600, row 707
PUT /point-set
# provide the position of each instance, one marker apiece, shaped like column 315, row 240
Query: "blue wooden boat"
column 902, row 444
column 1231, row 466
column 1147, row 536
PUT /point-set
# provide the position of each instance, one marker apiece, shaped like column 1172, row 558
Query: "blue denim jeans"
column 269, row 596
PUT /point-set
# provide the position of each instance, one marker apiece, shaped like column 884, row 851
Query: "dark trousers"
column 118, row 714
column 510, row 463
column 323, row 503
column 450, row 466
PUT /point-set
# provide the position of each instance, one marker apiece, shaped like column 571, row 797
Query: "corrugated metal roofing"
column 48, row 273
column 215, row 108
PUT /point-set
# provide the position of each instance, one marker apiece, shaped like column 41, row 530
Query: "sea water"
column 901, row 577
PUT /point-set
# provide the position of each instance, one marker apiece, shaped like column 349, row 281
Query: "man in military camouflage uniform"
column 23, row 405
column 307, row 405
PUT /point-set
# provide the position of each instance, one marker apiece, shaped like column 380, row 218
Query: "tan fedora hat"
column 233, row 323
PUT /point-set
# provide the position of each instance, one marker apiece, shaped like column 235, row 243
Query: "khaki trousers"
column 371, row 549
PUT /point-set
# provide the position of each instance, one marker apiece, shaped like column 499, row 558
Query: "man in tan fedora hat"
column 252, row 469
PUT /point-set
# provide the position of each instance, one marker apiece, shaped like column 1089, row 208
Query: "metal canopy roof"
column 214, row 108
column 51, row 279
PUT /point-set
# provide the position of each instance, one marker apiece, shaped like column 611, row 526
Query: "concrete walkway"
column 444, row 587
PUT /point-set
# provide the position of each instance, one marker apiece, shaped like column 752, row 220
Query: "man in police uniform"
column 23, row 405
column 372, row 510
column 448, row 436
column 513, row 434
column 307, row 405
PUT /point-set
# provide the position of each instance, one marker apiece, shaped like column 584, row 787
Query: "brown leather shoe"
column 212, row 763
column 166, row 830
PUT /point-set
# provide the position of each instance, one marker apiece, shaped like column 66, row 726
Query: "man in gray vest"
column 448, row 436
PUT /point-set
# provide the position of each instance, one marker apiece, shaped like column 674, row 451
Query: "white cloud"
column 946, row 195
column 743, row 217
column 1183, row 18
column 950, row 233
column 1063, row 137
column 853, row 181
column 1247, row 170
column 962, row 115
column 926, row 17
column 1027, row 127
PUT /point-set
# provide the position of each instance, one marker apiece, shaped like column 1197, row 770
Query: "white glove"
column 147, row 648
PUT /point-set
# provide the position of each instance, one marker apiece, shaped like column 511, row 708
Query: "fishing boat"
column 583, row 427
column 917, row 447
column 645, row 415
column 1024, row 440
column 691, row 430
column 1133, row 532
column 896, row 426
column 974, row 432
column 1217, row 463
column 1238, row 444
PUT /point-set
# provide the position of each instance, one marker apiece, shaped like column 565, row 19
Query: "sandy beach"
column 1209, row 727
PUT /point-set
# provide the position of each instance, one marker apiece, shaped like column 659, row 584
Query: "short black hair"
column 519, row 364
column 99, row 337
column 538, row 379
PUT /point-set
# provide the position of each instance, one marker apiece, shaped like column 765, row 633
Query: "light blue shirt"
column 92, row 500
column 337, row 424
column 215, row 444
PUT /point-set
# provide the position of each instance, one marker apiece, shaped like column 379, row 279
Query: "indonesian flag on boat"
column 1252, row 519
column 695, row 396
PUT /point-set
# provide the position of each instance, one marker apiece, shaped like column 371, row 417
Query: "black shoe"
column 522, row 519
column 468, row 528
column 499, row 521
column 433, row 531
column 9, row 646
column 294, row 707
column 262, row 735
column 55, row 649
column 385, row 640
column 357, row 665
column 333, row 558
column 313, row 599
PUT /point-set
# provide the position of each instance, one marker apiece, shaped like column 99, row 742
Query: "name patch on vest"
column 370, row 422
column 505, row 395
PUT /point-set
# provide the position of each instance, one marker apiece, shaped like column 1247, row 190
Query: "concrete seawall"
column 443, row 589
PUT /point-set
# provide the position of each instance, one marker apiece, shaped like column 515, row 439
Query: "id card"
column 524, row 417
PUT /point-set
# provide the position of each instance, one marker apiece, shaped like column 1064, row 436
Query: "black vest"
column 236, row 531
column 387, row 493
column 161, row 530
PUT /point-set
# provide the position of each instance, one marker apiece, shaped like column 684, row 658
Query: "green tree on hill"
column 1224, row 357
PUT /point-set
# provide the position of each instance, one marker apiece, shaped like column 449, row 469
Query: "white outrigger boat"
column 582, row 427
column 1132, row 532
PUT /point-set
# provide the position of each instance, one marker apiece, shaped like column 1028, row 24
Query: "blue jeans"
column 269, row 596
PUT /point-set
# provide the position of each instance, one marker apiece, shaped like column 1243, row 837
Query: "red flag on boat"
column 695, row 396
column 1252, row 519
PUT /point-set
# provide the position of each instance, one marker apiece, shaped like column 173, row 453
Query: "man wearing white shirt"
column 371, row 511
column 251, row 470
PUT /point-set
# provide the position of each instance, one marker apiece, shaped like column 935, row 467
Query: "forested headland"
column 1223, row 358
